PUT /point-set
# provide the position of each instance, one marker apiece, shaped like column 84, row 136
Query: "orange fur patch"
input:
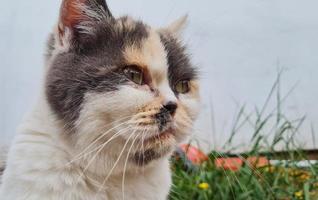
column 151, row 57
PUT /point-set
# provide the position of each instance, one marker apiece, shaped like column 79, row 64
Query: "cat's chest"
column 140, row 192
column 154, row 186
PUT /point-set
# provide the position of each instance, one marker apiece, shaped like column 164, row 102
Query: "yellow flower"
column 299, row 194
column 204, row 186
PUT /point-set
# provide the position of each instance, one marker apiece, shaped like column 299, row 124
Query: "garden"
column 275, row 167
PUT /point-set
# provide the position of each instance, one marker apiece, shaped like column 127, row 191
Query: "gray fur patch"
column 94, row 63
column 144, row 158
column 180, row 67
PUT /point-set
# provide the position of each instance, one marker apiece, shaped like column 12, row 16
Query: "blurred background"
column 240, row 47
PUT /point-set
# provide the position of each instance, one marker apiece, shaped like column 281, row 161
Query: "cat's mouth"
column 163, row 137
column 156, row 147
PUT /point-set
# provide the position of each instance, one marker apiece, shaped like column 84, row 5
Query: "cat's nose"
column 171, row 107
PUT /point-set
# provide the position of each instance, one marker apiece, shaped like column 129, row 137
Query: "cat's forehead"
column 140, row 44
column 149, row 54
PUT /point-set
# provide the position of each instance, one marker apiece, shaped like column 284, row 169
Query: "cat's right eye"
column 182, row 87
column 135, row 74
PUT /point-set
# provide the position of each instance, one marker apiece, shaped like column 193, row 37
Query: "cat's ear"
column 178, row 25
column 78, row 17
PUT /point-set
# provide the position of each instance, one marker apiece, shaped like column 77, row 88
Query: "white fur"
column 38, row 169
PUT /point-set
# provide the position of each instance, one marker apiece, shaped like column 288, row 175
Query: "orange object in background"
column 232, row 164
column 257, row 161
column 195, row 155
column 235, row 164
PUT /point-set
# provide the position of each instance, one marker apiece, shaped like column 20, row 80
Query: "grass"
column 271, row 130
column 207, row 182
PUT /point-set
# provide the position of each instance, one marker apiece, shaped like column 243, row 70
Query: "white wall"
column 237, row 44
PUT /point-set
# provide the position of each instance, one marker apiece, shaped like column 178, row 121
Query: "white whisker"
column 125, row 165
column 115, row 164
column 97, row 139
column 99, row 150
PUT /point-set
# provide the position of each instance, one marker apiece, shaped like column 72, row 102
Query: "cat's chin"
column 155, row 148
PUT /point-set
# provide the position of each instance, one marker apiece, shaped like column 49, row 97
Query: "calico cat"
column 117, row 98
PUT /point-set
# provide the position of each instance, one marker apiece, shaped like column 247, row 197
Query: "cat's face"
column 120, row 81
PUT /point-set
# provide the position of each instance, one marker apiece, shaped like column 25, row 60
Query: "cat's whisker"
column 139, row 145
column 145, row 114
column 99, row 150
column 125, row 166
column 101, row 145
column 70, row 127
column 158, row 136
column 143, row 151
column 101, row 136
column 143, row 147
column 115, row 164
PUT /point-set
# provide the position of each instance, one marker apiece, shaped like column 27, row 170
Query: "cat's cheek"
column 113, row 107
column 191, row 105
column 132, row 98
column 126, row 99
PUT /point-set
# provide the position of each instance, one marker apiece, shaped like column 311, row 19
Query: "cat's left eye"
column 135, row 74
column 182, row 87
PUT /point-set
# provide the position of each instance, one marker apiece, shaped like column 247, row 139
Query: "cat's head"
column 119, row 82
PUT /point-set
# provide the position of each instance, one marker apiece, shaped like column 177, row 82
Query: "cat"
column 118, row 97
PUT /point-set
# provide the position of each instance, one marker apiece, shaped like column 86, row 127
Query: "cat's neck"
column 41, row 119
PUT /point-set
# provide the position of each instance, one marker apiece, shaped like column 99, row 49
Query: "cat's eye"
column 182, row 87
column 135, row 74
